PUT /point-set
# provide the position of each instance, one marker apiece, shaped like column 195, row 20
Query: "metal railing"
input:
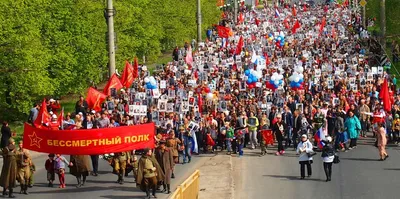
column 189, row 189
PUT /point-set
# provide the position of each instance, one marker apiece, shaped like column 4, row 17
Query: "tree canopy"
column 58, row 47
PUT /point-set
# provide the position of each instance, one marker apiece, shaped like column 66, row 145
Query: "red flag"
column 94, row 99
column 257, row 21
column 61, row 119
column 113, row 82
column 322, row 26
column 223, row 32
column 286, row 23
column 135, row 73
column 384, row 95
column 295, row 27
column 239, row 46
column 43, row 116
column 241, row 18
column 127, row 75
column 189, row 57
column 200, row 103
column 294, row 11
column 304, row 8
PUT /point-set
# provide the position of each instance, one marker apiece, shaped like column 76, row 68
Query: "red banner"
column 268, row 137
column 89, row 142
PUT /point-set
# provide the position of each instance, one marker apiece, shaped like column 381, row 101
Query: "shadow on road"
column 293, row 178
column 123, row 197
column 361, row 159
column 392, row 169
column 72, row 189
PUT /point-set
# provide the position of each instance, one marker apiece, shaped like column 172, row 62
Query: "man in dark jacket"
column 287, row 118
column 81, row 106
column 297, row 126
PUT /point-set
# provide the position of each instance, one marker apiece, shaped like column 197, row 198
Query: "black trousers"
column 95, row 163
column 353, row 142
column 280, row 145
column 328, row 169
column 234, row 145
column 302, row 168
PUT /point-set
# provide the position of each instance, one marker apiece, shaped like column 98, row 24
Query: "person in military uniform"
column 121, row 159
column 9, row 170
column 149, row 173
column 80, row 168
column 33, row 169
column 165, row 159
column 24, row 170
column 173, row 143
column 319, row 121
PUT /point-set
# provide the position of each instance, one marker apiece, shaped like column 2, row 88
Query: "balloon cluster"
column 252, row 77
column 296, row 79
column 275, row 81
column 150, row 82
column 279, row 40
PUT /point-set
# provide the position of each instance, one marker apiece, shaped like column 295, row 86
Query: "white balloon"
column 146, row 79
column 300, row 69
column 291, row 78
column 280, row 77
column 273, row 78
column 209, row 96
column 276, row 82
column 301, row 75
column 297, row 79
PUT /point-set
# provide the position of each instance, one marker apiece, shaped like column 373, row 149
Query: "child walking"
column 61, row 161
column 50, row 168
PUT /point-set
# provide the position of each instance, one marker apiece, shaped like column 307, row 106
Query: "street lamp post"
column 198, row 21
column 111, row 45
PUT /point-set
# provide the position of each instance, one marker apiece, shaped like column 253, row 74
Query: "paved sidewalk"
column 216, row 180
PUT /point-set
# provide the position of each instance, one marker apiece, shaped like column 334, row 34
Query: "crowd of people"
column 209, row 98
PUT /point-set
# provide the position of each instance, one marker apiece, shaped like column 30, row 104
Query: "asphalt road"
column 359, row 175
column 103, row 186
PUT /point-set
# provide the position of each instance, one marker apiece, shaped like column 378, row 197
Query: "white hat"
column 54, row 116
column 80, row 113
column 144, row 68
column 329, row 139
column 93, row 111
column 52, row 100
column 122, row 90
column 304, row 136
column 51, row 112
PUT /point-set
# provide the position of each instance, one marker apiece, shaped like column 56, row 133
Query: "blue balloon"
column 254, row 79
column 247, row 72
column 297, row 85
column 249, row 81
column 292, row 84
column 301, row 81
column 271, row 82
column 270, row 35
column 280, row 82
